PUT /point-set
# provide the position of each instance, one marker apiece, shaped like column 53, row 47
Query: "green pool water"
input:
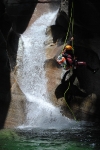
column 84, row 138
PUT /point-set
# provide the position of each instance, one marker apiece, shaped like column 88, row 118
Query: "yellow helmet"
column 68, row 47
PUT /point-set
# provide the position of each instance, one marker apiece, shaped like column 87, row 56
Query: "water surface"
column 81, row 138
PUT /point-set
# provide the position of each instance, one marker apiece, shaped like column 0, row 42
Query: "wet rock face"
column 16, row 113
column 16, row 15
column 88, row 16
column 5, row 95
column 86, row 39
column 86, row 44
column 20, row 13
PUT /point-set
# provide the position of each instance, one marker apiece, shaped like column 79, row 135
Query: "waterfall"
column 31, row 78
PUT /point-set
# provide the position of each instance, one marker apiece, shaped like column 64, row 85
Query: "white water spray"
column 31, row 76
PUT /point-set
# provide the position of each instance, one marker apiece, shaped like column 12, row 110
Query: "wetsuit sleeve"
column 65, row 55
column 69, row 42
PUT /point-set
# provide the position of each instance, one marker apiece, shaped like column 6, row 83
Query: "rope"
column 71, row 20
column 72, row 23
column 67, row 103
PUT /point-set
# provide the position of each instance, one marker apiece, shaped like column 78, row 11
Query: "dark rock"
column 14, row 18
column 86, row 34
column 20, row 13
column 12, row 46
column 4, row 81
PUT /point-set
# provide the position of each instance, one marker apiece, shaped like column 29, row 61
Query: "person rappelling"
column 70, row 62
column 67, row 58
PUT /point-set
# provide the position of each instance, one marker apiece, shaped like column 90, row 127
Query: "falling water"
column 31, row 76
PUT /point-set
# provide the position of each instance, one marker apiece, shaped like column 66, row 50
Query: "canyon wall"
column 14, row 22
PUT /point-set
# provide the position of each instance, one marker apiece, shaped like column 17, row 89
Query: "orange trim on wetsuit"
column 61, row 60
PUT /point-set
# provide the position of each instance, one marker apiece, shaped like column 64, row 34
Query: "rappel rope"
column 67, row 103
column 72, row 24
column 71, row 21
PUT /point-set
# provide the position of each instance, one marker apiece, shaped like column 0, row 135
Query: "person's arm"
column 65, row 54
column 69, row 42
